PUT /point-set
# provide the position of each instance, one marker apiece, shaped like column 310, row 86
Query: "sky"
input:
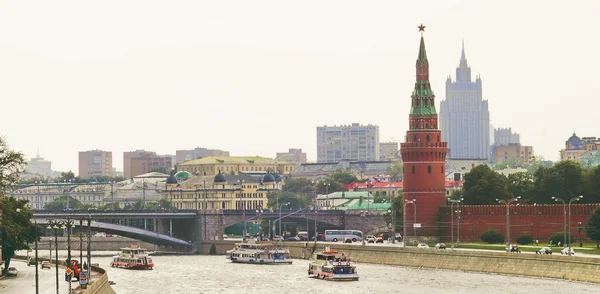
column 258, row 77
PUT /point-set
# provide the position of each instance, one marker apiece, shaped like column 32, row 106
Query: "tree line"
column 565, row 179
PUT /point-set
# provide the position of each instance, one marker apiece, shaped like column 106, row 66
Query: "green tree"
column 16, row 229
column 565, row 180
column 483, row 186
column 457, row 194
column 12, row 164
column 299, row 185
column 524, row 239
column 67, row 177
column 162, row 170
column 492, row 236
column 395, row 171
column 592, row 185
column 343, row 177
column 380, row 198
column 296, row 200
column 592, row 228
column 333, row 186
column 520, row 184
column 539, row 162
column 62, row 202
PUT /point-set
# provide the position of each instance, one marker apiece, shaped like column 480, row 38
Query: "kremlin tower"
column 423, row 156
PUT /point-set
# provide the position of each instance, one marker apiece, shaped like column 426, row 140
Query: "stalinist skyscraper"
column 464, row 116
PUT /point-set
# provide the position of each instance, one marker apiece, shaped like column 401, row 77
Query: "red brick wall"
column 537, row 221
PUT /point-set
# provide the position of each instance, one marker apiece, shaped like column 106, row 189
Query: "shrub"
column 559, row 237
column 524, row 239
column 492, row 236
column 213, row 249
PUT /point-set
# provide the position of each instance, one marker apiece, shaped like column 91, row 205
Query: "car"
column 46, row 264
column 422, row 246
column 30, row 261
column 398, row 237
column 348, row 240
column 567, row 251
column 379, row 240
column 440, row 246
column 224, row 236
column 11, row 271
column 293, row 239
column 371, row 239
column 544, row 250
column 515, row 249
column 277, row 238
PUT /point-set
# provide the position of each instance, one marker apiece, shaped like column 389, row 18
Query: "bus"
column 341, row 235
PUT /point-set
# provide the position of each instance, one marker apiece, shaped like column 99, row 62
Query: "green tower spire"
column 422, row 96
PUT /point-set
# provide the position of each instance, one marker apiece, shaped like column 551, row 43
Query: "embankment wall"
column 97, row 243
column 549, row 266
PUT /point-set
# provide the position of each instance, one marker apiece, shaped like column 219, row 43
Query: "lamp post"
column 579, row 230
column 316, row 212
column 259, row 211
column 55, row 226
column 458, row 227
column 567, row 225
column 37, row 282
column 414, row 203
column 282, row 204
column 69, row 223
column 507, row 203
column 368, row 196
column 241, row 182
column 452, row 202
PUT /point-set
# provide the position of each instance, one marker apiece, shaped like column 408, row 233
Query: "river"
column 215, row 274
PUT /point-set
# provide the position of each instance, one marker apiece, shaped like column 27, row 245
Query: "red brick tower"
column 423, row 156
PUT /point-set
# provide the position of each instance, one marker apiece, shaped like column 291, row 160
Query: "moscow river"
column 215, row 274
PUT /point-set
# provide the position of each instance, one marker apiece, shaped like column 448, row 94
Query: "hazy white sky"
column 257, row 77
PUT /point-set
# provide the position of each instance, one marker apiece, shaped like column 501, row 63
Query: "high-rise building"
column 423, row 156
column 388, row 151
column 513, row 152
column 95, row 163
column 141, row 161
column 293, row 155
column 353, row 142
column 198, row 152
column 505, row 137
column 464, row 116
column 38, row 167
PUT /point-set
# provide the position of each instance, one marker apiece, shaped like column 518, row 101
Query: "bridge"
column 192, row 227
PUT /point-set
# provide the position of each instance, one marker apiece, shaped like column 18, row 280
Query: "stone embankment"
column 549, row 266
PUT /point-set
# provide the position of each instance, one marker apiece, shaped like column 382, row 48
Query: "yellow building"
column 575, row 147
column 212, row 165
column 220, row 192
column 513, row 152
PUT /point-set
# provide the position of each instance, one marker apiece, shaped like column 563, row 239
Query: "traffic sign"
column 83, row 276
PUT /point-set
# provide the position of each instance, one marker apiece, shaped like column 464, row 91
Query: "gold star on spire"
column 421, row 28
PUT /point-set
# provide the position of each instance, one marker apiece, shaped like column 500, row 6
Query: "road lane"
column 24, row 282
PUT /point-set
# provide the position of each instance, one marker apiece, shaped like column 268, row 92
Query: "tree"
column 592, row 185
column 492, row 236
column 520, row 184
column 483, row 186
column 299, row 185
column 12, row 164
column 296, row 200
column 379, row 197
column 64, row 202
column 162, row 170
column 16, row 229
column 334, row 186
column 592, row 228
column 67, row 176
column 524, row 239
column 395, row 171
column 457, row 194
column 565, row 180
column 343, row 177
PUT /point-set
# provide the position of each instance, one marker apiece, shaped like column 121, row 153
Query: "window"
column 413, row 169
column 415, row 138
column 429, row 169
column 428, row 139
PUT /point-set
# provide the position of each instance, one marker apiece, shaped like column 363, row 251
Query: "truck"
column 75, row 268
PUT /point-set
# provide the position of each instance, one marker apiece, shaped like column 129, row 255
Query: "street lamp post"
column 414, row 203
column 507, row 203
column 452, row 202
column 567, row 226
column 282, row 204
column 55, row 226
column 69, row 223
column 458, row 228
column 579, row 230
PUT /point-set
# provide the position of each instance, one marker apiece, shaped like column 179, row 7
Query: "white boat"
column 132, row 257
column 259, row 253
column 332, row 266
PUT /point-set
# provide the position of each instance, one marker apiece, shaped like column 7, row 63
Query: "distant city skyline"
column 143, row 75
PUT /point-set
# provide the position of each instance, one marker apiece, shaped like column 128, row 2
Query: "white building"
column 464, row 116
column 38, row 167
column 353, row 142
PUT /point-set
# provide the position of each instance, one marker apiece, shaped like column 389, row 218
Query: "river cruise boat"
column 132, row 257
column 332, row 266
column 259, row 253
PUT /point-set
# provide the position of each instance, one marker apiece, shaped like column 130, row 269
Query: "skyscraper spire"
column 462, row 54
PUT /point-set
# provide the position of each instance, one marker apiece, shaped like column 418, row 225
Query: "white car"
column 11, row 271
column 567, row 251
column 422, row 245
column 371, row 239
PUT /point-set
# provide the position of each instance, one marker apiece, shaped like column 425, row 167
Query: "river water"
column 215, row 274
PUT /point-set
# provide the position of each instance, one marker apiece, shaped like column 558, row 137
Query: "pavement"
column 24, row 282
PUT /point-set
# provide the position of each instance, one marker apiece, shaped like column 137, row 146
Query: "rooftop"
column 231, row 160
